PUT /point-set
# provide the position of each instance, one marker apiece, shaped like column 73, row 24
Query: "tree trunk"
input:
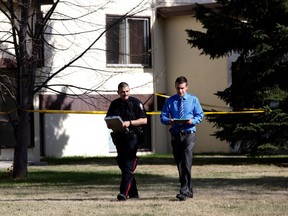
column 24, row 97
column 21, row 148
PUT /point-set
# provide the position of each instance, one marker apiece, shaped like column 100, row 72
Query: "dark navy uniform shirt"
column 130, row 109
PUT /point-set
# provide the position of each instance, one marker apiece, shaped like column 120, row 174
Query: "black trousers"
column 183, row 155
column 127, row 146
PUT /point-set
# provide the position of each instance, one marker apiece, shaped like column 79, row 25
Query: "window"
column 128, row 41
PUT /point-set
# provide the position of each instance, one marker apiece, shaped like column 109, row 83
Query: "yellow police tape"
column 244, row 111
column 67, row 111
column 8, row 112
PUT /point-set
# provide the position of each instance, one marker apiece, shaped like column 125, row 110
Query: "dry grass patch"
column 89, row 187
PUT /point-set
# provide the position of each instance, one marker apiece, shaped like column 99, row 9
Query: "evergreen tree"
column 258, row 32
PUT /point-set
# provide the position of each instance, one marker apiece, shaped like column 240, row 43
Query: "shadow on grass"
column 75, row 178
column 71, row 178
column 168, row 160
column 102, row 178
column 268, row 182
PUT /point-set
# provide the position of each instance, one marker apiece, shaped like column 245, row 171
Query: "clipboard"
column 116, row 123
column 182, row 121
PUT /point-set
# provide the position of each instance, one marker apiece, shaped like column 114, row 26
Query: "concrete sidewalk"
column 6, row 164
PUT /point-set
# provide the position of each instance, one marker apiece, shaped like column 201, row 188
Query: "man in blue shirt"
column 182, row 111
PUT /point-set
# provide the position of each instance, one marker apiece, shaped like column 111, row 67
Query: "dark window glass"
column 128, row 41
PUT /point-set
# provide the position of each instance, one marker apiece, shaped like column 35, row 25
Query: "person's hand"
column 190, row 121
column 126, row 124
column 171, row 121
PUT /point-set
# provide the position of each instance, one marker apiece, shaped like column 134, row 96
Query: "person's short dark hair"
column 122, row 85
column 181, row 79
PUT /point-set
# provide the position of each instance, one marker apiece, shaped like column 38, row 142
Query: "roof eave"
column 180, row 10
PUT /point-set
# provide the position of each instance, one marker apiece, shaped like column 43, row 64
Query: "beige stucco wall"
column 205, row 76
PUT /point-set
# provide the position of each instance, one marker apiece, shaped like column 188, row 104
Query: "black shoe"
column 181, row 197
column 121, row 197
column 190, row 195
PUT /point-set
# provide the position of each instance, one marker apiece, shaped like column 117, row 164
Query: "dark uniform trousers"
column 182, row 146
column 127, row 145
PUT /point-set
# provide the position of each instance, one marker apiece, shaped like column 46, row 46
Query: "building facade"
column 94, row 46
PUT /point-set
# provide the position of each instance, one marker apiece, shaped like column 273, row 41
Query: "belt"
column 186, row 132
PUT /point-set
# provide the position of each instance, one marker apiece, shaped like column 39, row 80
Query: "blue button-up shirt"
column 192, row 110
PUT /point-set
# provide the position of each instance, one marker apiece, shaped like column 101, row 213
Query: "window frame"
column 124, row 59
